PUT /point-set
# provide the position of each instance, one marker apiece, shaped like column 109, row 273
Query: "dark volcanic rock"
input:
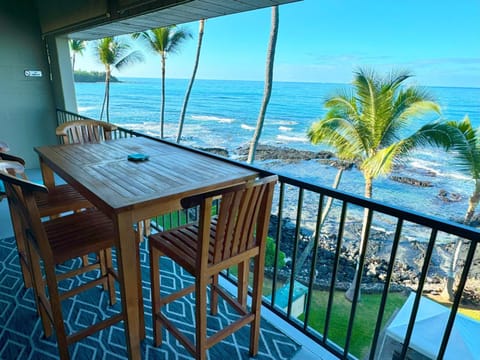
column 268, row 152
column 446, row 196
column 215, row 150
column 411, row 181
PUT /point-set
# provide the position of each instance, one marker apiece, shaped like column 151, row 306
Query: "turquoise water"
column 224, row 114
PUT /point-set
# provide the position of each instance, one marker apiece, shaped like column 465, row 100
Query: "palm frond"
column 134, row 57
column 77, row 46
column 467, row 148
column 340, row 134
column 381, row 163
column 176, row 39
column 408, row 104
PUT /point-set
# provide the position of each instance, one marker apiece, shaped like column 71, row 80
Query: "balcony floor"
column 308, row 349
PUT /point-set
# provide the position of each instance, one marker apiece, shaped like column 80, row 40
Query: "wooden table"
column 129, row 192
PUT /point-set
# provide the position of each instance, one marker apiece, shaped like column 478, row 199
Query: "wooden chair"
column 85, row 131
column 205, row 249
column 54, row 242
column 61, row 199
column 3, row 149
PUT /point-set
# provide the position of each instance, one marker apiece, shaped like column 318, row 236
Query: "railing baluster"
column 295, row 250
column 281, row 196
column 458, row 298
column 416, row 302
column 358, row 273
column 386, row 288
column 313, row 264
column 334, row 272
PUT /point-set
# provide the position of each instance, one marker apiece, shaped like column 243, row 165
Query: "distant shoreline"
column 92, row 76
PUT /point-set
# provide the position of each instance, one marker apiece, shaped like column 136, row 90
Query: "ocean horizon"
column 223, row 113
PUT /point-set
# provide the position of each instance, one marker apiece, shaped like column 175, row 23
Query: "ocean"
column 224, row 114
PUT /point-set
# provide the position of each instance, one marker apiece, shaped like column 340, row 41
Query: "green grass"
column 365, row 318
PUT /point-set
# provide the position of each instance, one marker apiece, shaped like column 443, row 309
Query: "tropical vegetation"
column 366, row 125
column 164, row 41
column 76, row 47
column 114, row 53
column 91, row 76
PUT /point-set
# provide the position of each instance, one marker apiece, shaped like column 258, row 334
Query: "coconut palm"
column 113, row 52
column 164, row 40
column 268, row 84
column 77, row 47
column 467, row 153
column 365, row 127
column 201, row 26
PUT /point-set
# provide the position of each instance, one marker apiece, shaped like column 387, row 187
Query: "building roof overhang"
column 135, row 16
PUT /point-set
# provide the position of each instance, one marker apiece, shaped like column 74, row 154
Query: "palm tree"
column 164, row 40
column 268, row 84
column 201, row 26
column 366, row 125
column 467, row 153
column 77, row 47
column 112, row 52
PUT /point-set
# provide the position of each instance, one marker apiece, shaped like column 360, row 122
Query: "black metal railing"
column 323, row 258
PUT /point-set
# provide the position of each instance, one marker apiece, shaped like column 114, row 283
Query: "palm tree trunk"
column 192, row 79
column 472, row 205
column 268, row 84
column 162, row 109
column 448, row 289
column 308, row 249
column 73, row 62
column 107, row 93
column 349, row 294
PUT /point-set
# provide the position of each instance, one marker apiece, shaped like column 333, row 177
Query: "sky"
column 326, row 41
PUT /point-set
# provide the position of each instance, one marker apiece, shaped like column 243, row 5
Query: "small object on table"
column 137, row 157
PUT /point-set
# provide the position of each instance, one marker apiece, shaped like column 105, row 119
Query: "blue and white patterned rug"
column 21, row 333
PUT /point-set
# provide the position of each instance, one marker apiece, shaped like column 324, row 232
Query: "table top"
column 102, row 172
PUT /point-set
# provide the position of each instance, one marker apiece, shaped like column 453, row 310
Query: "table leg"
column 128, row 268
column 47, row 175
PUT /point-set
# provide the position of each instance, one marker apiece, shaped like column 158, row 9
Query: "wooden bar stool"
column 237, row 236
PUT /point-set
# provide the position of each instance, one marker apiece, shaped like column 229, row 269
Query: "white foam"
column 425, row 165
column 282, row 122
column 432, row 167
column 285, row 128
column 212, row 118
column 86, row 108
column 292, row 138
column 247, row 127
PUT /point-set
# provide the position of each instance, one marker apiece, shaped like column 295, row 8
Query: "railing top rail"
column 440, row 224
